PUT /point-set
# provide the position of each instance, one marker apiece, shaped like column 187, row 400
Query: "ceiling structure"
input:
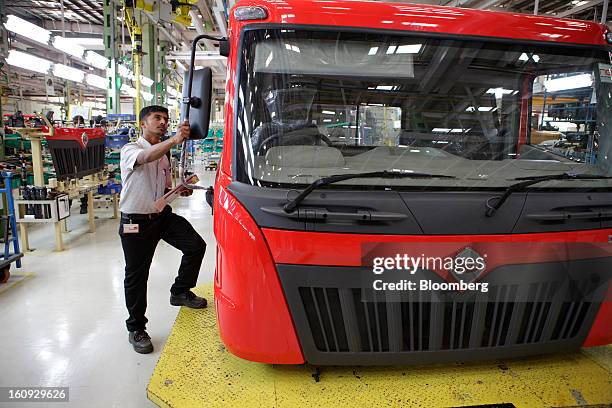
column 84, row 19
column 77, row 11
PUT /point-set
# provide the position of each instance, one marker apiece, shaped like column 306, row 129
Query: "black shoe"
column 141, row 341
column 188, row 299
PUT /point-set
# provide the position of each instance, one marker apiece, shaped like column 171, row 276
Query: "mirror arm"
column 192, row 102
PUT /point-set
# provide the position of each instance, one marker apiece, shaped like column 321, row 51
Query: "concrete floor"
column 65, row 326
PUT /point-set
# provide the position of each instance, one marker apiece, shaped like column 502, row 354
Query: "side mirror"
column 196, row 104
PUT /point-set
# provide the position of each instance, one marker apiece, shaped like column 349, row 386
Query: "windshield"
column 311, row 104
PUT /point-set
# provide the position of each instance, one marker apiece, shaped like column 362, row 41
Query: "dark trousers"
column 138, row 250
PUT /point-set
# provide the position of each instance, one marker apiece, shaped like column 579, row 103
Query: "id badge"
column 130, row 228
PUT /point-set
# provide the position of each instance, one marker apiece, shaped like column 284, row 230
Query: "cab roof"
column 427, row 18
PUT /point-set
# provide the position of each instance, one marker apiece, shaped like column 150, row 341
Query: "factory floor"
column 64, row 324
column 205, row 374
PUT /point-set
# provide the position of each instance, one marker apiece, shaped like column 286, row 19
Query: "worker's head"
column 153, row 122
column 78, row 120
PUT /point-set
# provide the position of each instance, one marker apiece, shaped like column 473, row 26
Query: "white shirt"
column 143, row 184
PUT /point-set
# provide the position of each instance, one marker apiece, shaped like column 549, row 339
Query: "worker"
column 49, row 116
column 78, row 121
column 145, row 172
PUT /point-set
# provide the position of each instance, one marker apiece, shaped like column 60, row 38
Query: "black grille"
column 70, row 160
column 408, row 326
column 337, row 326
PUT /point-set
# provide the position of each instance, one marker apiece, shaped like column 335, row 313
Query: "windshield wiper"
column 324, row 181
column 529, row 181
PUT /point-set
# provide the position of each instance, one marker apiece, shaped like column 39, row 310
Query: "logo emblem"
column 84, row 139
column 468, row 265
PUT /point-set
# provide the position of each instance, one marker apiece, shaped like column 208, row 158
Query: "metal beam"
column 200, row 56
column 219, row 13
column 578, row 9
column 488, row 4
column 604, row 12
column 3, row 34
column 74, row 27
column 89, row 10
column 111, row 42
column 199, row 26
column 457, row 3
column 204, row 10
column 173, row 40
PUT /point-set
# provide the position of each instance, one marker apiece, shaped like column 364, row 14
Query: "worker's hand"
column 186, row 193
column 182, row 133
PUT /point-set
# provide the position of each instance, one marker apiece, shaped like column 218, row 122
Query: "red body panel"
column 79, row 135
column 252, row 312
column 431, row 19
column 251, row 308
column 312, row 248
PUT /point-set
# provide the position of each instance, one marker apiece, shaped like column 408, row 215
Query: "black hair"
column 147, row 110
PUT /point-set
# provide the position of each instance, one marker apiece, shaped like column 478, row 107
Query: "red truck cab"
column 359, row 133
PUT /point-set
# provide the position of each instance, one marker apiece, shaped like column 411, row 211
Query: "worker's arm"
column 158, row 150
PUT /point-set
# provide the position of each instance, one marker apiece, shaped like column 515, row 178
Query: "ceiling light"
column 66, row 72
column 95, row 59
column 27, row 29
column 87, row 41
column 27, row 61
column 124, row 72
column 146, row 81
column 95, row 105
column 441, row 130
column 524, row 57
column 147, row 96
column 572, row 82
column 385, row 87
column 409, row 49
column 326, row 112
column 373, row 51
column 499, row 90
column 128, row 90
column 68, row 47
column 480, row 109
column 97, row 81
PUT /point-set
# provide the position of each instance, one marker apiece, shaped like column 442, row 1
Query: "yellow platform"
column 195, row 370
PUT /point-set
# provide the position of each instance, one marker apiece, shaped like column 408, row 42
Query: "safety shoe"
column 188, row 299
column 141, row 341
